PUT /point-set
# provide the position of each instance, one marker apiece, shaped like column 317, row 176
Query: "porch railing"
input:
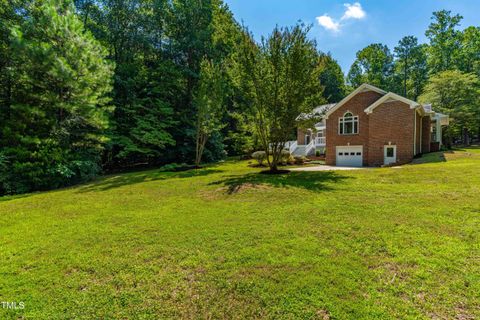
column 291, row 145
column 309, row 147
column 320, row 141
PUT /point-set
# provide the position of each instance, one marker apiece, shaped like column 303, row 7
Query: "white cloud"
column 353, row 11
column 328, row 23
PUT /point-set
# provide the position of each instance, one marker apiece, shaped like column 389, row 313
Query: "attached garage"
column 349, row 156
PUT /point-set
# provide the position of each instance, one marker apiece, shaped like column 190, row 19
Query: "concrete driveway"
column 325, row 168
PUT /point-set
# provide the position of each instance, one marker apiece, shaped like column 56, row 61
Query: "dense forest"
column 96, row 86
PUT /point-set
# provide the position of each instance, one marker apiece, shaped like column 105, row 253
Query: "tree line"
column 94, row 86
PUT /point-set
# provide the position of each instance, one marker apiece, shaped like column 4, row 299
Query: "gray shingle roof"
column 316, row 112
column 321, row 110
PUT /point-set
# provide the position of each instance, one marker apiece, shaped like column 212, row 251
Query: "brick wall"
column 426, row 134
column 391, row 123
column 300, row 137
column 356, row 106
column 301, row 133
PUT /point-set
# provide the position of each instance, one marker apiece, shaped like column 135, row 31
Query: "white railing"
column 320, row 141
column 309, row 147
column 291, row 146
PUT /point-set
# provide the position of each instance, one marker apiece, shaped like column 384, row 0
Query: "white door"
column 349, row 156
column 389, row 154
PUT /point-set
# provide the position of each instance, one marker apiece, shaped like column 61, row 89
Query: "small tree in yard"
column 280, row 76
column 456, row 94
column 208, row 100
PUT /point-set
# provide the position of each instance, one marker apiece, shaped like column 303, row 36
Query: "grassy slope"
column 225, row 242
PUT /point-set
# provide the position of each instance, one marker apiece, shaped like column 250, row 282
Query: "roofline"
column 363, row 87
column 313, row 115
column 394, row 96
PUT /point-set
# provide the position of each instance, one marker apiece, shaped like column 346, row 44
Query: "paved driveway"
column 325, row 168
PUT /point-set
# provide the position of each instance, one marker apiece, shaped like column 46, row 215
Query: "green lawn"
column 227, row 242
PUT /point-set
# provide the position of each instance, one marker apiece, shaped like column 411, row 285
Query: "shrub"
column 317, row 153
column 291, row 160
column 284, row 156
column 260, row 156
column 175, row 167
column 300, row 159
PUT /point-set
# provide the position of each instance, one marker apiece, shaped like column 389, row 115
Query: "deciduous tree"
column 209, row 104
column 281, row 74
column 458, row 95
column 331, row 78
column 373, row 65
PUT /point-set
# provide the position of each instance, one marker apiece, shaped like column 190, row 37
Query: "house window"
column 390, row 152
column 348, row 124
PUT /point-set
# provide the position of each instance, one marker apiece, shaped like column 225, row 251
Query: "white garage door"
column 350, row 156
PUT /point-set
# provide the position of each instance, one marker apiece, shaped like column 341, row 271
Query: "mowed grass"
column 225, row 242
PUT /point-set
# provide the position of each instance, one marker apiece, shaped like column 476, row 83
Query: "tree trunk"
column 466, row 137
column 448, row 140
column 275, row 158
column 85, row 18
column 201, row 141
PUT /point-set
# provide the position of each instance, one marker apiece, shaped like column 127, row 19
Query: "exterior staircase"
column 304, row 150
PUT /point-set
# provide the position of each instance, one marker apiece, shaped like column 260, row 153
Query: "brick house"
column 371, row 127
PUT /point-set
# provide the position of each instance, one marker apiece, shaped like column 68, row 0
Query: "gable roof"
column 362, row 88
column 328, row 109
column 321, row 110
column 392, row 96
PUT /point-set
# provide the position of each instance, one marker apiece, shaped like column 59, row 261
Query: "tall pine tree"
column 57, row 110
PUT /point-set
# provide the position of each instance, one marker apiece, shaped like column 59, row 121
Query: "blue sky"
column 344, row 27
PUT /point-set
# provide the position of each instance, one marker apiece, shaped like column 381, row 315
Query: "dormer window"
column 348, row 124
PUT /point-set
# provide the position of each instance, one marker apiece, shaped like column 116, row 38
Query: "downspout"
column 414, row 132
column 421, row 133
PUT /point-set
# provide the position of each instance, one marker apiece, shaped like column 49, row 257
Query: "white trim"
column 385, row 153
column 421, row 133
column 391, row 96
column 414, row 134
column 364, row 87
column 354, row 119
column 438, row 132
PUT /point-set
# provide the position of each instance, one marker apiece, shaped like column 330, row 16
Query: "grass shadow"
column 465, row 148
column 433, row 157
column 443, row 156
column 313, row 181
column 14, row 197
column 120, row 180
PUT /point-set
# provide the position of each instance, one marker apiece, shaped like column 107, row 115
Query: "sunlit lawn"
column 226, row 242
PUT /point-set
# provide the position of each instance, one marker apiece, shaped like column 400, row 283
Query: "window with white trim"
column 348, row 124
